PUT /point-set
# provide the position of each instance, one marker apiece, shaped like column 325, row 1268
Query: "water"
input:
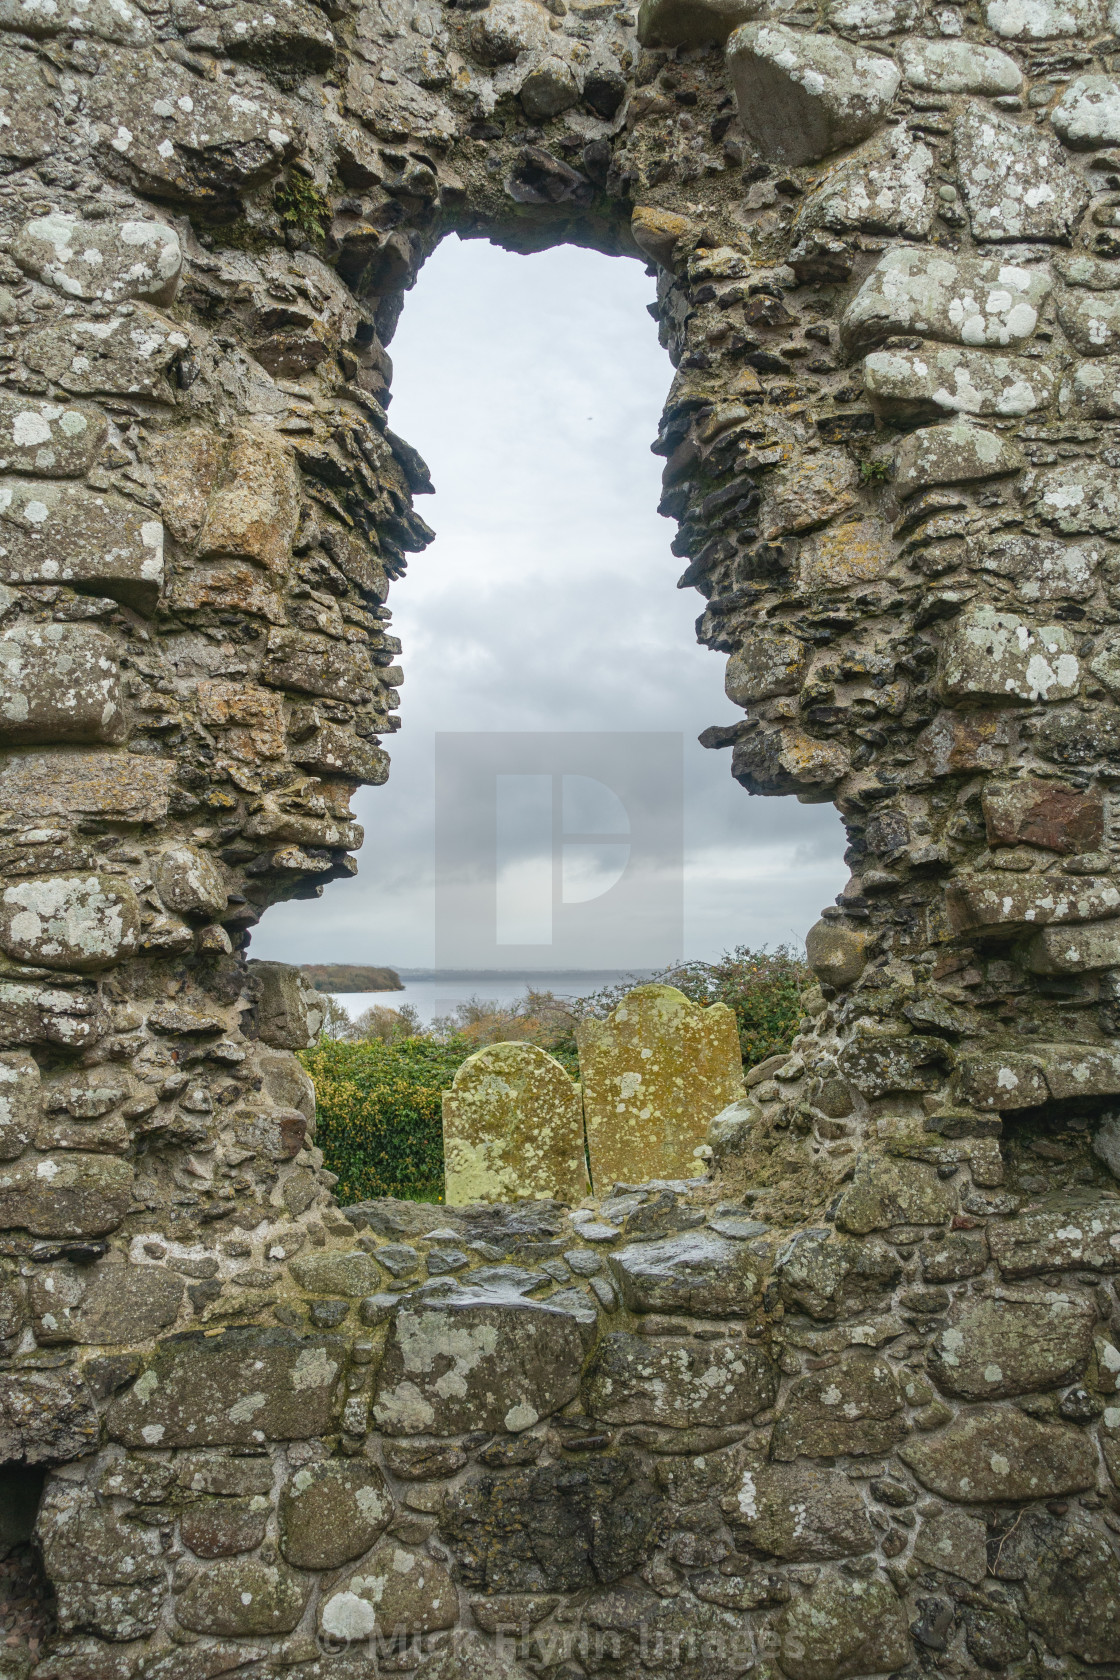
column 430, row 996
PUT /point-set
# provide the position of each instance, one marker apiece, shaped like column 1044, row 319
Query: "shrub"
column 762, row 988
column 380, row 1123
column 538, row 1018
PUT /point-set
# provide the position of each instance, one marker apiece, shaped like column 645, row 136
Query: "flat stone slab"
column 239, row 1388
column 698, row 1272
column 121, row 786
column 655, row 1072
column 513, row 1128
column 1085, row 1236
column 463, row 1358
column 683, row 1384
column 994, row 1350
column 1000, row 1453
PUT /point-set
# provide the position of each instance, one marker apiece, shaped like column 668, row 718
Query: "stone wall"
column 848, row 1407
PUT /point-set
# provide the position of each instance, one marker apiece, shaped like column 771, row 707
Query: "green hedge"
column 379, row 1114
column 380, row 1123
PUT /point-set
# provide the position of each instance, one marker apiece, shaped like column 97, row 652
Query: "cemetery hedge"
column 378, row 1096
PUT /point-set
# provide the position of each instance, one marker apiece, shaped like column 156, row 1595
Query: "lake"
column 432, row 995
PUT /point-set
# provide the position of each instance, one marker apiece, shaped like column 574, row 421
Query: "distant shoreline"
column 436, row 974
column 351, row 977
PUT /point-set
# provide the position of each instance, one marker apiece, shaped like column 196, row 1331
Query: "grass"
column 378, row 1088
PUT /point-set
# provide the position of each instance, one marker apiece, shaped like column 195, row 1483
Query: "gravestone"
column 513, row 1128
column 655, row 1072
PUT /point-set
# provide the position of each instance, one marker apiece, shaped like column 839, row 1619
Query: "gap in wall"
column 533, row 388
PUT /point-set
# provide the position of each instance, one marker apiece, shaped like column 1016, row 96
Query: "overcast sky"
column 533, row 386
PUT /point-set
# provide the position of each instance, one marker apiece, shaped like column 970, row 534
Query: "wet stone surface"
column 821, row 1382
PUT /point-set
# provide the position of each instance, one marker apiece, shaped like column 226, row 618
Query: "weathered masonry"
column 848, row 1405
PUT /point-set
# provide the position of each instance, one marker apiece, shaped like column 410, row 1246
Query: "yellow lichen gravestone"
column 512, row 1128
column 654, row 1073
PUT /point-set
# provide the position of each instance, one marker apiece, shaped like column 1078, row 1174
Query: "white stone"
column 801, row 96
column 1088, row 113
column 958, row 67
column 1044, row 20
column 958, row 300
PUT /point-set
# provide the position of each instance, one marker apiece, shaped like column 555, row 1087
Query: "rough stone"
column 19, row 1102
column 46, row 1417
column 988, row 655
column 1091, row 322
column 691, row 23
column 115, row 785
column 333, row 1512
column 69, row 1194
column 1074, row 950
column 836, row 954
column 959, row 301
column 77, row 922
column 54, row 533
column 878, row 1065
column 996, row 1453
column 314, row 664
column 107, row 261
column 238, row 1388
column 104, row 20
column 1016, row 181
column 1013, row 903
column 927, row 384
column 208, row 142
column 654, row 1073
column 129, row 355
column 225, row 1527
column 1083, row 497
column 513, row 1127
column 243, row 1598
column 190, row 882
column 107, row 1303
column 956, row 452
column 1000, row 1348
column 885, row 1193
column 953, row 1542
column 556, row 1528
column 50, row 439
column 1002, row 1082
column 1043, row 20
column 842, row 555
column 802, row 497
column 803, row 96
column 1088, row 113
column 31, row 126
column 398, row 1592
column 853, row 1409
column 800, row 1514
column 476, row 1358
column 59, row 683
column 947, row 66
column 350, row 1273
column 696, row 1272
column 682, row 1385
column 254, row 509
column 1086, row 1237
column 842, row 1628
column 887, row 187
column 767, row 665
column 288, row 1012
column 1048, row 814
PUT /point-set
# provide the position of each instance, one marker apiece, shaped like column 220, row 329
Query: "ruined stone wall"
column 848, row 1407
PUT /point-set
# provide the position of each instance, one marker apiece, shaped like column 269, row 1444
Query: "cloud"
column 533, row 388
